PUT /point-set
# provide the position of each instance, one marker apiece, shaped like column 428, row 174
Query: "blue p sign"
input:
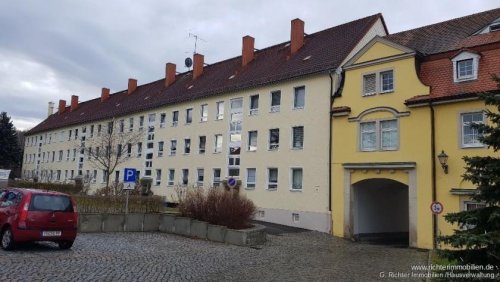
column 231, row 182
column 129, row 175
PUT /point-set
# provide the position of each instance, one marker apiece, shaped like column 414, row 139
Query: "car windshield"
column 51, row 203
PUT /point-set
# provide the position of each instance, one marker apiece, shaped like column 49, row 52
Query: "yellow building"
column 407, row 99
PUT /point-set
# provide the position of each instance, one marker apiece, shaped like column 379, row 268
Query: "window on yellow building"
column 380, row 135
column 470, row 135
column 378, row 83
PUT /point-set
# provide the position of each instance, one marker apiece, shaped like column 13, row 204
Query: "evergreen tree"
column 478, row 239
column 9, row 148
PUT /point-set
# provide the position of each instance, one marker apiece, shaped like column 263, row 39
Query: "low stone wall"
column 171, row 223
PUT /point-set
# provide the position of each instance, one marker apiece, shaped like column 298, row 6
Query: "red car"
column 36, row 215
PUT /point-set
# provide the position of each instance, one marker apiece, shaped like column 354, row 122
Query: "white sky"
column 50, row 50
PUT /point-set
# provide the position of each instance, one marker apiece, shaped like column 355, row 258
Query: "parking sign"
column 129, row 179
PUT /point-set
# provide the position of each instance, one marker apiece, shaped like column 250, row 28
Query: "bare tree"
column 108, row 149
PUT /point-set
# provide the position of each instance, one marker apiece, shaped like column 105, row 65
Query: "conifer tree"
column 9, row 148
column 477, row 240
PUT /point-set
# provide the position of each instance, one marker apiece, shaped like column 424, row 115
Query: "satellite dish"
column 188, row 62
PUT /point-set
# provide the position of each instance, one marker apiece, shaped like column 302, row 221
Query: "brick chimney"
column 169, row 74
column 51, row 109
column 74, row 103
column 296, row 36
column 104, row 94
column 62, row 106
column 247, row 50
column 197, row 65
column 132, row 85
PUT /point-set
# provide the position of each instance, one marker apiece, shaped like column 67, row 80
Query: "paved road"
column 297, row 256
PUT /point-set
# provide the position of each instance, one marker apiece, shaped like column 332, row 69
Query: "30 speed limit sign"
column 436, row 207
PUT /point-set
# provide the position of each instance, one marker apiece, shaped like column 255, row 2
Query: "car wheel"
column 64, row 245
column 7, row 239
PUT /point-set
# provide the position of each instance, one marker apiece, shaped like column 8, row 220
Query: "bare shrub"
column 218, row 206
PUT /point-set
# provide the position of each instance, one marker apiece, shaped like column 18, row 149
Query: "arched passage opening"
column 380, row 211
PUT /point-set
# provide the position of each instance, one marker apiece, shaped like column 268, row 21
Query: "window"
column 69, row 135
column 160, row 149
column 204, row 113
column 387, row 81
column 275, row 101
column 91, row 131
column 139, row 149
column 272, row 178
column 60, row 155
column 131, row 124
column 296, row 181
column 141, row 123
column 74, row 154
column 216, row 180
column 99, row 129
column 379, row 135
column 104, row 176
column 58, row 175
column 299, row 97
column 129, row 150
column 163, row 116
column 175, row 118
column 473, row 206
column 173, row 147
column 187, row 146
column 202, row 144
column 465, row 66
column 185, row 176
column 150, row 145
column 151, row 119
column 201, row 177
column 189, row 116
column 218, row 143
column 171, row 177
column 220, row 111
column 89, row 153
column 470, row 135
column 251, row 177
column 158, row 177
column 119, row 150
column 252, row 141
column 122, row 125
column 254, row 105
column 274, row 139
column 76, row 134
column 379, row 82
column 298, row 137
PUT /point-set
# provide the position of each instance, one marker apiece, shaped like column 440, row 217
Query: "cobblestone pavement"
column 303, row 256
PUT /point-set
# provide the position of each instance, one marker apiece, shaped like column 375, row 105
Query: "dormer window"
column 378, row 83
column 465, row 66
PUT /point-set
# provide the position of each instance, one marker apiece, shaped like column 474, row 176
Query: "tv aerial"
column 188, row 62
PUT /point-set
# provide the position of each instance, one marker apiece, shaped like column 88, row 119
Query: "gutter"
column 334, row 86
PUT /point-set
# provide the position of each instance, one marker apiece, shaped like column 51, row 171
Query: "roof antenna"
column 196, row 38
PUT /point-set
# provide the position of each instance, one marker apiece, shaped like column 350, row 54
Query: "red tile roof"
column 327, row 49
column 448, row 35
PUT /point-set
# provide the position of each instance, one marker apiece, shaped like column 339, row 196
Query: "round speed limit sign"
column 436, row 207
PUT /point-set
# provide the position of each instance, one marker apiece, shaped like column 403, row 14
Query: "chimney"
column 51, row 109
column 169, row 74
column 197, row 65
column 104, row 94
column 247, row 51
column 132, row 85
column 74, row 103
column 62, row 106
column 296, row 36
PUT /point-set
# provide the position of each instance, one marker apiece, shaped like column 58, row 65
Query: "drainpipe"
column 333, row 95
column 433, row 158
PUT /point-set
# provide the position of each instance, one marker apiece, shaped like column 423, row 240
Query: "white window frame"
column 202, row 150
column 163, row 119
column 189, row 116
column 158, row 177
column 461, row 122
column 295, row 92
column 161, row 148
column 216, row 148
column 249, row 145
column 378, row 135
column 173, row 150
column 175, row 118
column 198, row 182
column 292, row 169
column 171, row 177
column 204, row 113
column 216, row 181
column 253, row 111
column 185, row 174
column 187, row 146
column 292, row 145
column 268, row 183
column 462, row 57
column 378, row 82
column 248, row 184
column 273, row 146
column 131, row 124
column 275, row 108
column 220, row 112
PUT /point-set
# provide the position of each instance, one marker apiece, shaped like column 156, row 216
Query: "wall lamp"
column 443, row 160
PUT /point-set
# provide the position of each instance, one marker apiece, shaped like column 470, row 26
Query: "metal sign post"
column 128, row 184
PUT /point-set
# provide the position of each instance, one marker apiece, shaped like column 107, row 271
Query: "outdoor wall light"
column 443, row 160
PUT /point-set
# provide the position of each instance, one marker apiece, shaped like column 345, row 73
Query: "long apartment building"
column 262, row 117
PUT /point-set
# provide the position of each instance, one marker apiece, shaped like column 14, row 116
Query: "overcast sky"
column 50, row 50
